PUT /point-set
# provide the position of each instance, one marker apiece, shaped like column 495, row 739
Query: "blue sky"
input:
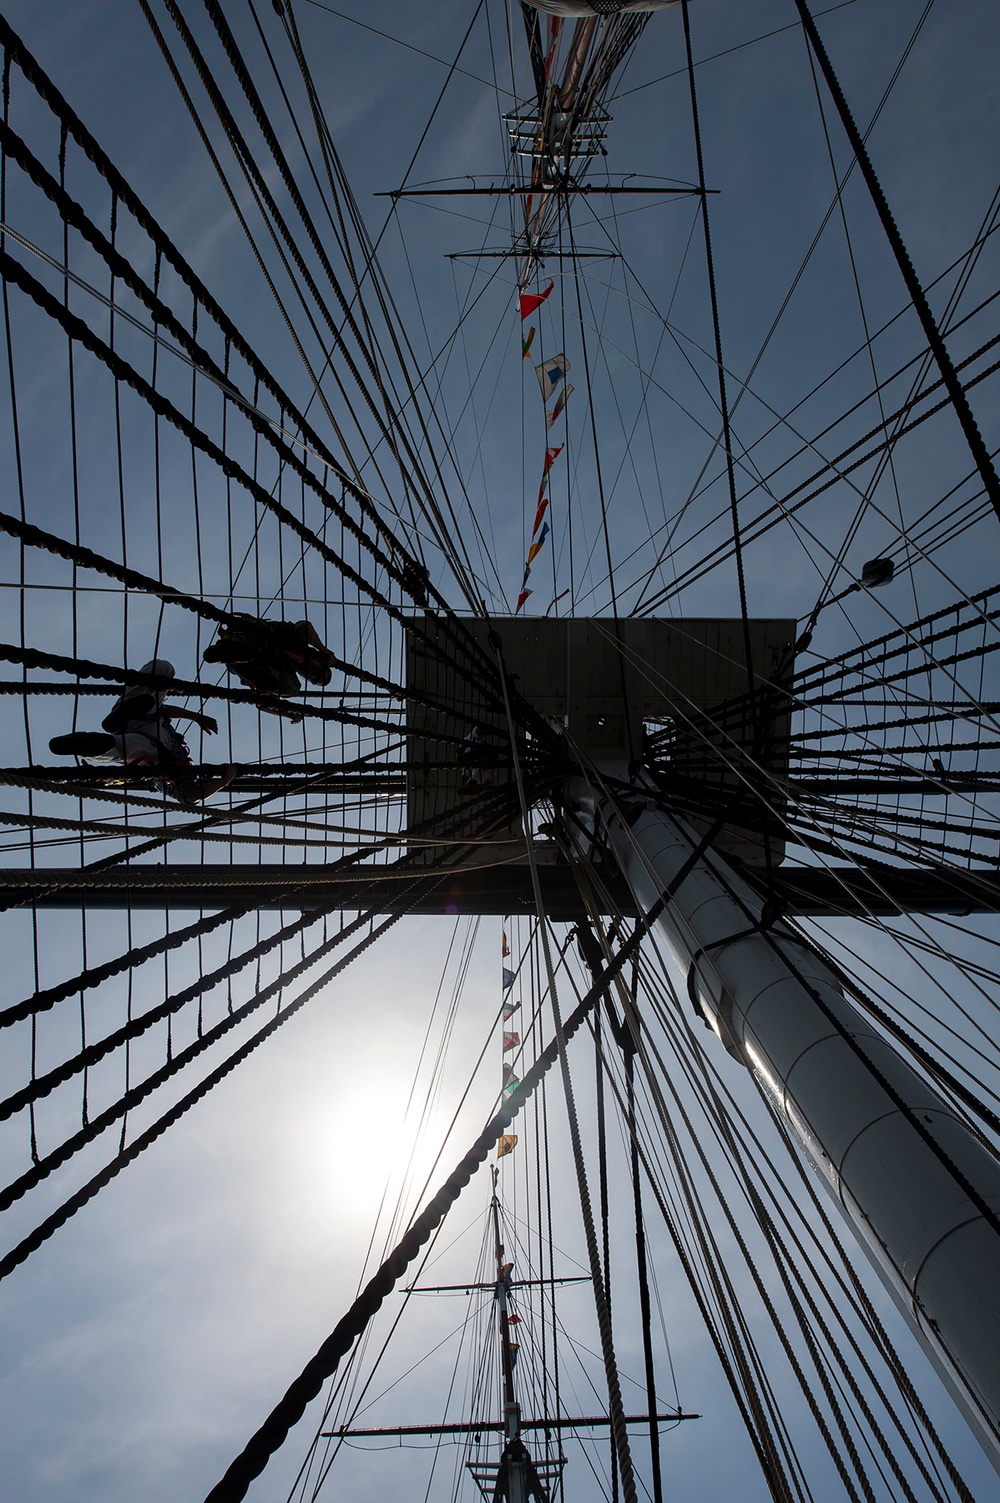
column 149, row 1337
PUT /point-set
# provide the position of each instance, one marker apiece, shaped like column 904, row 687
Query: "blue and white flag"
column 550, row 373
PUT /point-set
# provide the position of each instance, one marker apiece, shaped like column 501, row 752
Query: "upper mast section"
column 517, row 1478
column 565, row 127
column 558, row 131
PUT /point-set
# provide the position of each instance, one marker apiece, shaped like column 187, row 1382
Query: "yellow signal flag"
column 506, row 1144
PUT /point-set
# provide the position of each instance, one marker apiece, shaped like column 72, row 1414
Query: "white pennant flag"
column 550, row 373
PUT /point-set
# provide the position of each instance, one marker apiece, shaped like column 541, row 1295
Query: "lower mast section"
column 920, row 1192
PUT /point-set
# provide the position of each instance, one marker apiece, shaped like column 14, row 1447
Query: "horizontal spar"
column 559, row 190
column 580, row 1278
column 592, row 1422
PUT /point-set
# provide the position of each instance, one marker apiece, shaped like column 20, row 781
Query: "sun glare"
column 365, row 1142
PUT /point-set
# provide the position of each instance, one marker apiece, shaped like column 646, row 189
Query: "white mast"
column 911, row 1178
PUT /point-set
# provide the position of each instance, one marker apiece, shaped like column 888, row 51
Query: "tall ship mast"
column 501, row 776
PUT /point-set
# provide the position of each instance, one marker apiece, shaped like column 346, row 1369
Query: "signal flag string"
column 554, row 371
column 551, row 375
column 508, row 1142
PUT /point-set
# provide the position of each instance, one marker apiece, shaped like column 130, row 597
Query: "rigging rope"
column 58, row 1218
column 949, row 374
column 271, row 1434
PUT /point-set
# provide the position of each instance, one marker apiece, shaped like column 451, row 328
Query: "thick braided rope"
column 34, row 657
column 98, row 827
column 34, row 882
column 192, row 832
column 97, row 1125
column 153, row 878
column 92, row 1129
column 76, row 553
column 42, row 1001
column 413, row 578
column 86, row 779
column 82, row 782
column 44, row 1085
column 37, row 537
column 71, row 213
column 464, row 645
column 393, row 431
column 408, row 572
column 78, row 691
column 75, row 327
column 288, row 178
column 123, row 191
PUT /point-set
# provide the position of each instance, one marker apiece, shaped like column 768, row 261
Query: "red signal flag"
column 529, row 301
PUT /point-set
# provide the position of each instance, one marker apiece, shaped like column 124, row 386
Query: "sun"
column 365, row 1143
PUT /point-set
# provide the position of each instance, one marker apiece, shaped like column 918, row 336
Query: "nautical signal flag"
column 550, row 373
column 537, row 545
column 510, row 1008
column 556, row 413
column 511, row 1041
column 529, row 301
column 505, row 951
column 551, row 455
column 543, row 506
column 514, row 1349
column 513, row 1320
column 506, row 1144
column 508, row 979
column 527, row 340
column 510, row 1081
column 551, row 376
